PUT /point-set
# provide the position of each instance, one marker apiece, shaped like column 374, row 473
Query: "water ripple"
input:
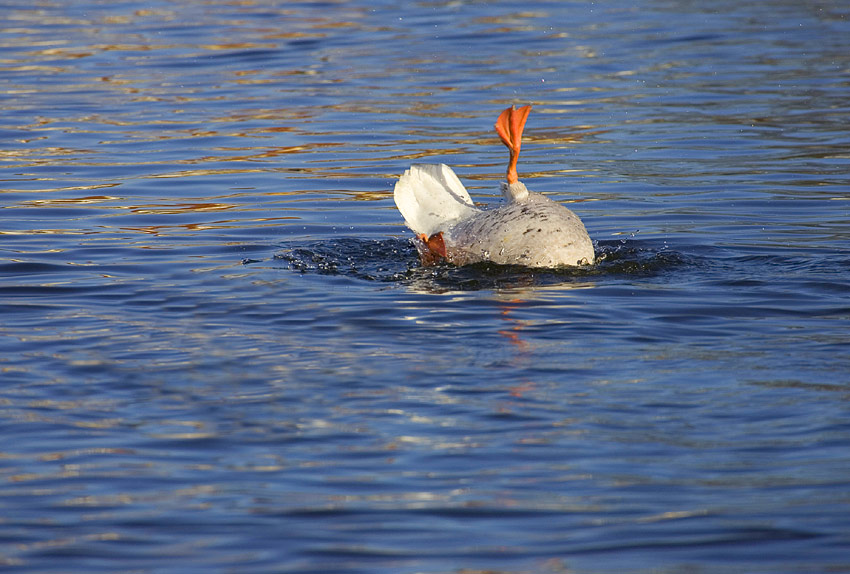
column 219, row 351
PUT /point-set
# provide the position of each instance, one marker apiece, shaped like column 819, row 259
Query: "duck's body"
column 529, row 229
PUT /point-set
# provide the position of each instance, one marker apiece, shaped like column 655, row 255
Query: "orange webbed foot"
column 509, row 126
column 434, row 248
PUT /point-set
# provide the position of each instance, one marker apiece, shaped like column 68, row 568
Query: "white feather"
column 431, row 198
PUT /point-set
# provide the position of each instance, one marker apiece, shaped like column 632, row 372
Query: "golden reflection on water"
column 135, row 108
column 77, row 201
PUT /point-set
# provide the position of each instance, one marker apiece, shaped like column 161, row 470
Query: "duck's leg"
column 509, row 126
column 433, row 249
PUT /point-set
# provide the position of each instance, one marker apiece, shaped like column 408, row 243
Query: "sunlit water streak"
column 219, row 352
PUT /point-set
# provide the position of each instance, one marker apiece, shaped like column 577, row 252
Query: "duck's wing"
column 431, row 198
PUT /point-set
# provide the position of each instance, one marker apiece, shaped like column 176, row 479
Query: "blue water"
column 219, row 352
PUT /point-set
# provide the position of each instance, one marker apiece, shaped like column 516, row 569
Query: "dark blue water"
column 219, row 352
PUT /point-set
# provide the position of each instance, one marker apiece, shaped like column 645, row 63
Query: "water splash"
column 633, row 258
column 395, row 260
column 385, row 260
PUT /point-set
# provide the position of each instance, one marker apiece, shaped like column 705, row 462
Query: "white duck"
column 529, row 229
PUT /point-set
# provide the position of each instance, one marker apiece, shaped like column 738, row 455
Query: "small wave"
column 385, row 260
column 634, row 258
column 395, row 261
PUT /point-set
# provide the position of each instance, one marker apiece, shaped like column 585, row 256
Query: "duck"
column 527, row 229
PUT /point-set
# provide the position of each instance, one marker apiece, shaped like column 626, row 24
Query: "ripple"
column 331, row 405
column 395, row 261
column 371, row 260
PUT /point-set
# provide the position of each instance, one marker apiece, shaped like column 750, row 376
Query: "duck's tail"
column 431, row 198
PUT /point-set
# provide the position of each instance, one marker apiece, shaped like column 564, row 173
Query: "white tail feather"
column 431, row 198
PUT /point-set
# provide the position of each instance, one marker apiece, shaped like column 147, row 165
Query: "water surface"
column 218, row 351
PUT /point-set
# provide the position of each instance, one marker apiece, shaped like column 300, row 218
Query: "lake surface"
column 219, row 352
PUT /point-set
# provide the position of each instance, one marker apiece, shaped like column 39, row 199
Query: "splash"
column 387, row 260
column 395, row 260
